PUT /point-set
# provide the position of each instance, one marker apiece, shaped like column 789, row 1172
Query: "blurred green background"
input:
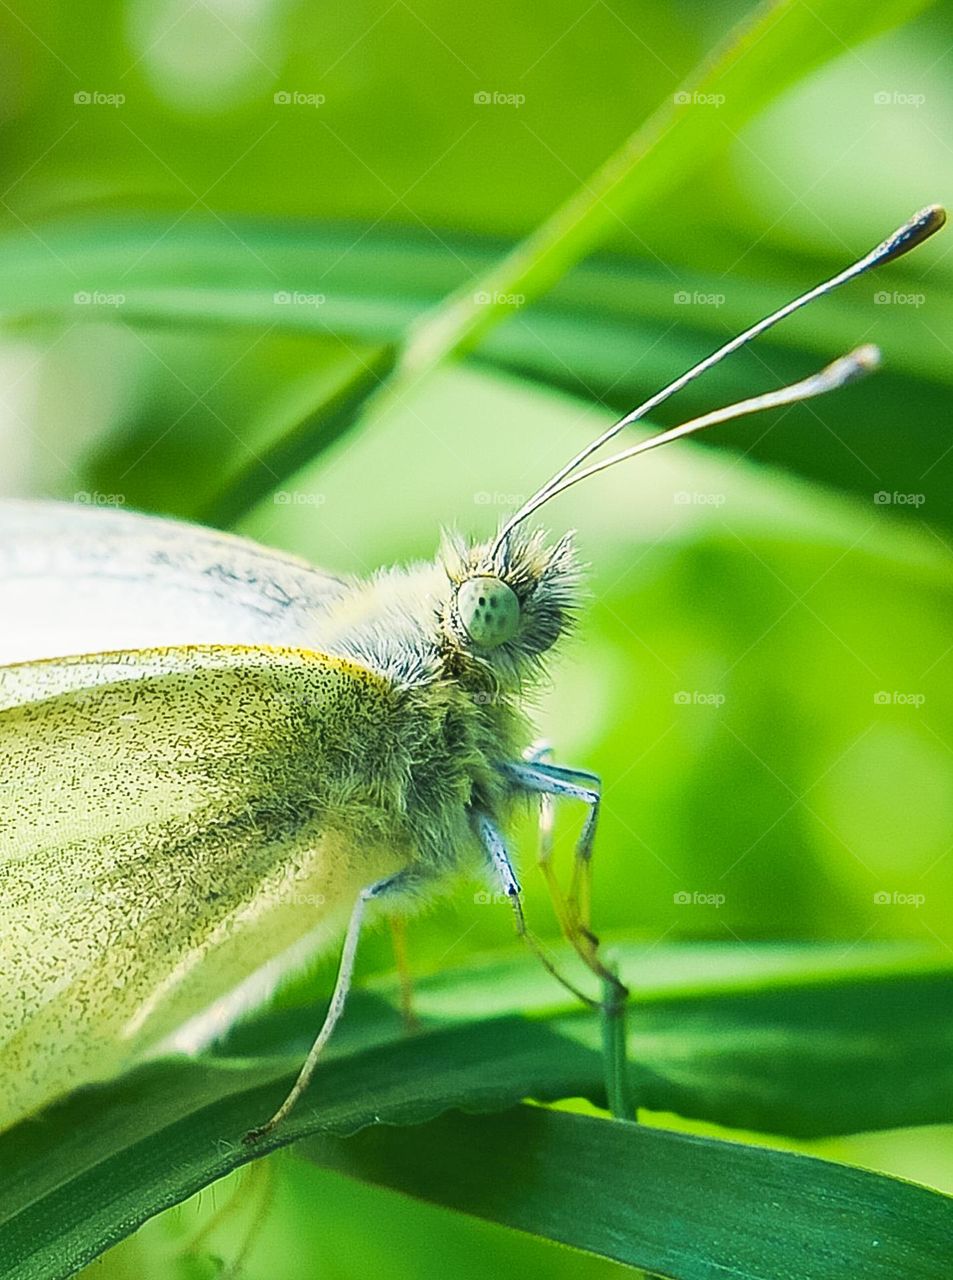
column 214, row 213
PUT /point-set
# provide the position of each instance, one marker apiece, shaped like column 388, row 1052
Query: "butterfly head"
column 511, row 602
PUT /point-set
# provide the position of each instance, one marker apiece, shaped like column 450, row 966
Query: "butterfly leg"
column 573, row 910
column 398, row 933
column 539, row 753
column 390, row 886
column 499, row 859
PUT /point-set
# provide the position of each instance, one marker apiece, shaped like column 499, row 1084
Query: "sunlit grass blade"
column 769, row 51
column 362, row 376
column 781, row 42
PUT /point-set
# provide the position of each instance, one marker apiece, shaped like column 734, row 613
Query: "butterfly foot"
column 254, row 1136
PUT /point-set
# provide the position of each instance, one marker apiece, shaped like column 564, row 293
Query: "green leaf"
column 95, row 1168
column 800, row 1040
column 796, row 1039
column 360, row 377
column 605, row 333
column 678, row 1206
column 583, row 334
column 763, row 55
column 782, row 42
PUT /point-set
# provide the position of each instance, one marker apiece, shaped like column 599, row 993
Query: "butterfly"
column 217, row 759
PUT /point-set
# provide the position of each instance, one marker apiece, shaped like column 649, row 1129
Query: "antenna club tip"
column 919, row 228
column 856, row 364
column 936, row 213
column 928, row 221
column 867, row 358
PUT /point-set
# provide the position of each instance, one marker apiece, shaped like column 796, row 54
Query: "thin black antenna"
column 913, row 233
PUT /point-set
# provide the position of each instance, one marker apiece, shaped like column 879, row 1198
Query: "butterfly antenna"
column 913, row 233
column 856, row 364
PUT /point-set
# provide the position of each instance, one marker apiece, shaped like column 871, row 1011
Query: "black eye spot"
column 494, row 602
column 482, row 601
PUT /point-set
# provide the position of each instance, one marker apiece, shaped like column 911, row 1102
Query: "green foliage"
column 788, row 1041
column 682, row 1207
column 223, row 305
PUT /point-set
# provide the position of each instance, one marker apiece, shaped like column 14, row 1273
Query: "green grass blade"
column 786, row 1039
column 681, row 1207
column 92, row 1170
column 781, row 42
column 360, row 377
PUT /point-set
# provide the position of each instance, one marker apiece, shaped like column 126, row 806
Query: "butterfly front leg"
column 537, row 775
column 498, row 858
column 539, row 753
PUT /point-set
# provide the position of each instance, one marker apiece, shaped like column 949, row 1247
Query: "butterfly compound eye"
column 489, row 611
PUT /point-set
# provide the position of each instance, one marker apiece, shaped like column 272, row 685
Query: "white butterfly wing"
column 80, row 579
column 171, row 822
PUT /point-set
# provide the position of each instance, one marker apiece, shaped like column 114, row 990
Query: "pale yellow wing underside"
column 171, row 820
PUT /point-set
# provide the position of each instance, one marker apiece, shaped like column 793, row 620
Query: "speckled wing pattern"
column 171, row 821
column 173, row 787
column 76, row 578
